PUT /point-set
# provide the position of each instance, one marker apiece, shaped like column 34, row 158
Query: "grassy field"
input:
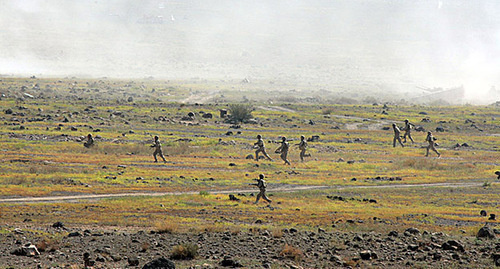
column 44, row 122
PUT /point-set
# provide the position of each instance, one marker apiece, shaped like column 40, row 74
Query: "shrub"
column 186, row 251
column 277, row 232
column 240, row 112
column 47, row 244
column 292, row 253
column 204, row 193
column 327, row 110
column 144, row 246
column 166, row 227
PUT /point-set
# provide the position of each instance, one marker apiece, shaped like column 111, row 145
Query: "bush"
column 186, row 251
column 240, row 112
column 166, row 227
column 204, row 193
column 47, row 244
column 292, row 253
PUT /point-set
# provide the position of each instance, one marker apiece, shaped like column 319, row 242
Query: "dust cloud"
column 387, row 45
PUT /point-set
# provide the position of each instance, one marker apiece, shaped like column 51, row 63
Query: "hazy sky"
column 428, row 43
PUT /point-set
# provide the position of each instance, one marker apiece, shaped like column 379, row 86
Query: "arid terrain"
column 356, row 202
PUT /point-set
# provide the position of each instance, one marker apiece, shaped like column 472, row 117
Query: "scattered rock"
column 486, row 232
column 336, row 259
column 229, row 262
column 233, row 198
column 74, row 234
column 87, row 261
column 314, row 138
column 133, row 261
column 393, row 233
column 28, row 250
column 207, row 115
column 160, row 263
column 379, row 178
column 413, row 231
column 496, row 258
column 453, row 245
column 420, row 129
column 368, row 255
column 58, row 225
column 483, row 213
column 413, row 247
column 249, row 157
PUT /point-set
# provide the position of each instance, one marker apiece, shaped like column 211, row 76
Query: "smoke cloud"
column 380, row 43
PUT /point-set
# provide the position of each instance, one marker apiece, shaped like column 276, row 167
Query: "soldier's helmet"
column 283, row 138
column 429, row 132
column 394, row 125
column 302, row 137
column 156, row 137
column 261, row 176
column 89, row 135
column 406, row 120
column 259, row 136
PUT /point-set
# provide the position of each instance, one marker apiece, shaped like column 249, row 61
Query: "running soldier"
column 397, row 135
column 158, row 151
column 259, row 145
column 90, row 141
column 261, row 183
column 283, row 149
column 407, row 129
column 303, row 147
column 431, row 140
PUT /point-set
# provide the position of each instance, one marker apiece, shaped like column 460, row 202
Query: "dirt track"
column 271, row 189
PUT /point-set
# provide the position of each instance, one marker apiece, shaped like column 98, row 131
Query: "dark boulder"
column 486, row 232
column 160, row 263
column 229, row 262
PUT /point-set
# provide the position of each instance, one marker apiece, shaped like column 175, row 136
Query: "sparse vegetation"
column 166, row 226
column 353, row 154
column 47, row 245
column 240, row 113
column 293, row 253
column 186, row 251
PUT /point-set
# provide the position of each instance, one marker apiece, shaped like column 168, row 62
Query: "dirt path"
column 200, row 98
column 276, row 108
column 287, row 188
column 373, row 124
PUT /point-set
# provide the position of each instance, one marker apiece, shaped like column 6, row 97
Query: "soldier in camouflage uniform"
column 90, row 141
column 407, row 129
column 397, row 135
column 261, row 183
column 303, row 147
column 259, row 145
column 283, row 149
column 158, row 151
column 432, row 143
